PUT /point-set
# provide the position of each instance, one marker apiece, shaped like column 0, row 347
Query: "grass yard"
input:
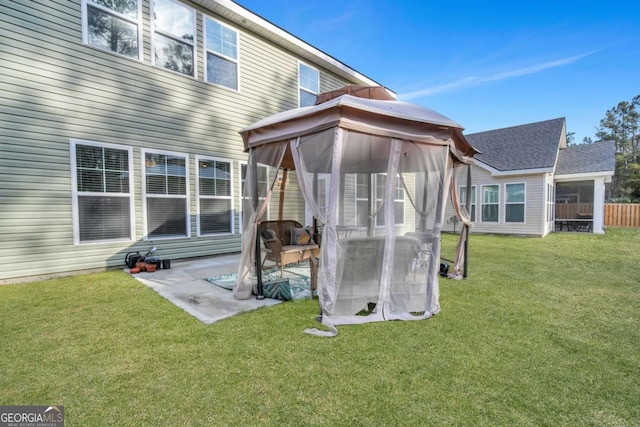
column 545, row 332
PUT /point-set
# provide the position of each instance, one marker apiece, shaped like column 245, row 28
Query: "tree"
column 571, row 136
column 621, row 124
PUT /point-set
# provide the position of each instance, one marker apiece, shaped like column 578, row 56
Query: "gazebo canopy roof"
column 388, row 118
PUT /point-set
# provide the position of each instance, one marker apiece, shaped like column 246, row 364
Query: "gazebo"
column 376, row 174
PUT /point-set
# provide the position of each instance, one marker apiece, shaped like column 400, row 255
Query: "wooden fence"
column 622, row 214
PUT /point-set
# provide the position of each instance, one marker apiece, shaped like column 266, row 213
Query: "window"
column 398, row 200
column 463, row 200
column 362, row 199
column 165, row 194
column 115, row 26
column 514, row 203
column 308, row 84
column 490, row 203
column 174, row 36
column 102, row 197
column 549, row 202
column 221, row 47
column 322, row 193
column 215, row 213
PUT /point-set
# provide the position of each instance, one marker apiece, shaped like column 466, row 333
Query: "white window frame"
column 497, row 203
column 206, row 50
column 241, row 191
column 73, row 143
column 474, row 198
column 322, row 199
column 200, row 197
column 301, row 87
column 378, row 201
column 523, row 203
column 550, row 213
column 137, row 22
column 175, row 37
column 361, row 199
column 145, row 196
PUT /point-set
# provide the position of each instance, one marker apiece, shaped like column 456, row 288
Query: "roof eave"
column 496, row 172
column 255, row 23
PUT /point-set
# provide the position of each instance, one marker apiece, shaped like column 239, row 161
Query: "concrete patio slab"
column 185, row 285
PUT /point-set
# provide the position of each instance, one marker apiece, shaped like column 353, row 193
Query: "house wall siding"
column 54, row 89
column 534, row 205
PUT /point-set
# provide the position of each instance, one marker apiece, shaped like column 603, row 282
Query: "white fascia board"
column 584, row 176
column 244, row 17
column 495, row 172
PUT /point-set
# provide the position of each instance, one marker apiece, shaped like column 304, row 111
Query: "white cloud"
column 477, row 80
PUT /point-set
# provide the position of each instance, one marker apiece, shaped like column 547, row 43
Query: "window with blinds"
column 214, row 196
column 102, row 194
column 165, row 194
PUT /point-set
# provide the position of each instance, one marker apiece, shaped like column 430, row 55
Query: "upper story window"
column 221, row 47
column 490, row 203
column 308, row 85
column 115, row 26
column 102, row 192
column 174, row 29
column 514, row 202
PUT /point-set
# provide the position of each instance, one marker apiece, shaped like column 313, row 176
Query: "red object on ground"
column 134, row 270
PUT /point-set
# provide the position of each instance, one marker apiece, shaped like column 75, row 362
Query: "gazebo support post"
column 255, row 200
column 283, row 185
column 425, row 193
column 466, row 240
column 315, row 197
column 372, row 207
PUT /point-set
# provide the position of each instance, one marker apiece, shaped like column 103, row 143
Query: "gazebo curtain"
column 383, row 263
column 253, row 210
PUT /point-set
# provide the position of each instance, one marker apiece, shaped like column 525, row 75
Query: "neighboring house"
column 119, row 125
column 527, row 181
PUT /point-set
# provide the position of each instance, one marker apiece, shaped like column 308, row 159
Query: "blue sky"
column 484, row 64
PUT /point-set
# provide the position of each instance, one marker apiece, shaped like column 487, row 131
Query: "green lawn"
column 545, row 332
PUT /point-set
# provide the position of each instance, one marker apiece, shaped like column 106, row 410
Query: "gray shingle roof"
column 584, row 158
column 530, row 146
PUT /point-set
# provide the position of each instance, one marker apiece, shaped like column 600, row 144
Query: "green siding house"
column 119, row 126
